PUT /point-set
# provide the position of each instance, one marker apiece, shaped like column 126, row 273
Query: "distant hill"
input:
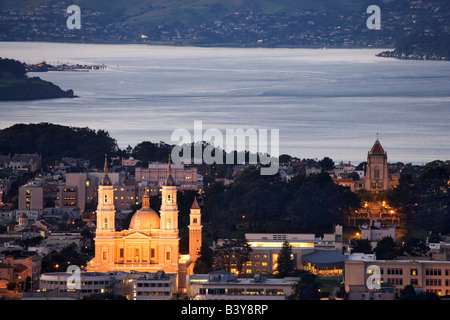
column 16, row 85
column 153, row 12
column 238, row 23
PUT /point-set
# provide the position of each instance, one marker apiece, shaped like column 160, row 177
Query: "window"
column 136, row 254
column 105, row 223
column 376, row 174
column 433, row 272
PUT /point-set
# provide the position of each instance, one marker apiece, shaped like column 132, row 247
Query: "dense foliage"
column 425, row 200
column 258, row 203
column 11, row 67
column 53, row 142
column 16, row 85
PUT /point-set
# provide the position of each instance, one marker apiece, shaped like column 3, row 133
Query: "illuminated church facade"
column 151, row 243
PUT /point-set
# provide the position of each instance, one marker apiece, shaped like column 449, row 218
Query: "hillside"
column 16, row 85
column 153, row 12
column 237, row 23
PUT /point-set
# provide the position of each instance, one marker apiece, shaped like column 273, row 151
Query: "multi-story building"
column 37, row 194
column 266, row 248
column 154, row 286
column 133, row 285
column 86, row 184
column 185, row 176
column 222, row 285
column 429, row 275
column 31, row 197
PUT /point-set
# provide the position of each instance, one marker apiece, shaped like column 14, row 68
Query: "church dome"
column 145, row 218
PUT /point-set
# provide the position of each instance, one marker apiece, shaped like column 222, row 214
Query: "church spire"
column 169, row 180
column 106, row 180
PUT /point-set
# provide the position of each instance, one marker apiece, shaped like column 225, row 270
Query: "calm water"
column 324, row 102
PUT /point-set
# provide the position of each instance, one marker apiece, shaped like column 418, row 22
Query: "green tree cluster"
column 424, row 200
column 232, row 253
column 269, row 204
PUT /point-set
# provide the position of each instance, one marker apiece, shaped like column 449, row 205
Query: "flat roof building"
column 222, row 285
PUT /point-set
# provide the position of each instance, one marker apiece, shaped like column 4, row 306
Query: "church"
column 377, row 176
column 377, row 173
column 151, row 243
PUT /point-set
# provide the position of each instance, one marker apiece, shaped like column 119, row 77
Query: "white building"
column 376, row 232
column 132, row 285
column 222, row 285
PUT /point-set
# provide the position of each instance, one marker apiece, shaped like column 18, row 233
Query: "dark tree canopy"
column 53, row 142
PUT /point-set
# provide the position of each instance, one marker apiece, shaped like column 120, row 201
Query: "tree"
column 306, row 288
column 361, row 246
column 11, row 66
column 416, row 247
column 408, row 293
column 204, row 262
column 232, row 252
column 286, row 264
column 326, row 164
column 386, row 249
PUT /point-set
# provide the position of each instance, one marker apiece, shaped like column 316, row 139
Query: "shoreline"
column 412, row 56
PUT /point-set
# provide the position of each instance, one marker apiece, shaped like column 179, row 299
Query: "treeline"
column 424, row 200
column 259, row 203
column 53, row 142
column 11, row 67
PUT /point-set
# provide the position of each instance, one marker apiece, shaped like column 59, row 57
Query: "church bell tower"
column 195, row 231
column 169, row 249
column 105, row 232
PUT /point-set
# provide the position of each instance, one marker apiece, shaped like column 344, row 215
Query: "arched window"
column 136, row 254
column 376, row 173
column 106, row 198
column 168, row 223
column 105, row 223
column 194, row 220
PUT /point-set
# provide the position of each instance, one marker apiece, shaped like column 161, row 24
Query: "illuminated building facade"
column 150, row 244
